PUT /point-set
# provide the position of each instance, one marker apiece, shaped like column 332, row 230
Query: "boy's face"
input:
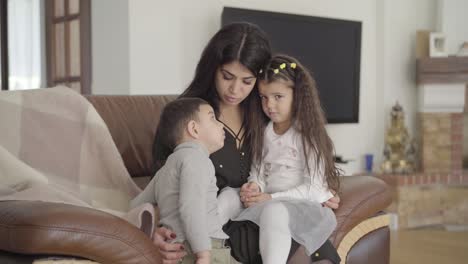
column 210, row 130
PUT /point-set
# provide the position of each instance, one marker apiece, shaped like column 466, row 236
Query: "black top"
column 232, row 165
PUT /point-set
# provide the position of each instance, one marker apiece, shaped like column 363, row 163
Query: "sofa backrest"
column 132, row 122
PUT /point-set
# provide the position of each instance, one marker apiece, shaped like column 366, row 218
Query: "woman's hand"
column 333, row 202
column 171, row 253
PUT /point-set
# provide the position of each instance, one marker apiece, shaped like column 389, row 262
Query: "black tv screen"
column 329, row 48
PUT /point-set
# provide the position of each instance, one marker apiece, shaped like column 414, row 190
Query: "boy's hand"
column 203, row 257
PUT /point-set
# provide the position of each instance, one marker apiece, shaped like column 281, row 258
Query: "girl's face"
column 234, row 82
column 277, row 101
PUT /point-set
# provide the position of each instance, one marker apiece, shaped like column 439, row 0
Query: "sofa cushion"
column 132, row 121
column 142, row 181
column 361, row 198
column 34, row 227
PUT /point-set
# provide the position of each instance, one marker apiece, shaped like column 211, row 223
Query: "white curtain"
column 24, row 44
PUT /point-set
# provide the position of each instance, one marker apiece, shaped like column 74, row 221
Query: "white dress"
column 283, row 173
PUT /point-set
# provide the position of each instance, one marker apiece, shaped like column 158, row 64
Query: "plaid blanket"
column 55, row 147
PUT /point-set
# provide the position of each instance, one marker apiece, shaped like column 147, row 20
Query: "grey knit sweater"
column 185, row 191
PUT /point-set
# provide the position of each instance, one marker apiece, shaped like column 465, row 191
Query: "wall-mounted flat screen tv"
column 329, row 48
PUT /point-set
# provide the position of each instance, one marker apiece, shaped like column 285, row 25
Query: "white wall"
column 110, row 47
column 400, row 20
column 166, row 40
column 453, row 22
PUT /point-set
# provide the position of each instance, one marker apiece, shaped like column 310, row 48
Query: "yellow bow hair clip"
column 282, row 66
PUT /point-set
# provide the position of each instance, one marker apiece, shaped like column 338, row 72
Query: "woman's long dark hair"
column 242, row 42
column 307, row 114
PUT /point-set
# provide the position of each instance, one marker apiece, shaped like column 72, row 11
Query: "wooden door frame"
column 4, row 45
column 85, row 44
column 86, row 48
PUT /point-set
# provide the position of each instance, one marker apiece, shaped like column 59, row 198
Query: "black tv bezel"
column 357, row 26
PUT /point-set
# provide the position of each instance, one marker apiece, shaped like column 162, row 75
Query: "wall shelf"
column 442, row 70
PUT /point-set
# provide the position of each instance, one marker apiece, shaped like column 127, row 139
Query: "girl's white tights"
column 275, row 236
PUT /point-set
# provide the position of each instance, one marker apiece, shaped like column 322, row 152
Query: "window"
column 69, row 44
column 45, row 43
column 22, row 46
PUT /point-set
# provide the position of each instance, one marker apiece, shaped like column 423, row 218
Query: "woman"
column 225, row 77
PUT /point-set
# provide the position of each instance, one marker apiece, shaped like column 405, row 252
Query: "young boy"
column 185, row 187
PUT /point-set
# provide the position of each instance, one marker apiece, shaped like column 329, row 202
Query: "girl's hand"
column 244, row 188
column 333, row 203
column 256, row 198
column 249, row 189
column 171, row 253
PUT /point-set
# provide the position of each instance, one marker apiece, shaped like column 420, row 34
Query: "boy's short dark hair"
column 175, row 117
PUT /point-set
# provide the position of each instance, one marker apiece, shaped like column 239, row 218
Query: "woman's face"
column 234, row 82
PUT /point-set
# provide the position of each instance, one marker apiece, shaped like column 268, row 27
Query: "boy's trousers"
column 220, row 254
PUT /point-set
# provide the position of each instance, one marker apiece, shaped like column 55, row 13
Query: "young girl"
column 296, row 171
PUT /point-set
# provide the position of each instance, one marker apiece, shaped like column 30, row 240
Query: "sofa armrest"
column 362, row 197
column 34, row 227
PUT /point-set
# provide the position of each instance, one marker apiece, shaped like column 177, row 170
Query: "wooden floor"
column 429, row 246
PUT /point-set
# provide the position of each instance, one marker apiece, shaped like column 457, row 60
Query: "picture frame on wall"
column 437, row 45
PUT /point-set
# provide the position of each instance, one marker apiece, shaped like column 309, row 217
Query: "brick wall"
column 441, row 142
column 457, row 141
column 429, row 178
column 423, row 199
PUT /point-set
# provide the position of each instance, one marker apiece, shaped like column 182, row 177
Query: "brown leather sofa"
column 31, row 229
